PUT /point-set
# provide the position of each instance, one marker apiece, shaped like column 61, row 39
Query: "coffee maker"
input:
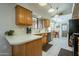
column 28, row 30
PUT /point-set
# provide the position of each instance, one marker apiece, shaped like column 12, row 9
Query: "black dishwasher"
column 49, row 37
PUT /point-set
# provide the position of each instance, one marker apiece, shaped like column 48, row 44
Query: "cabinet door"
column 18, row 50
column 45, row 39
column 20, row 15
column 23, row 16
column 46, row 23
column 28, row 17
column 34, row 48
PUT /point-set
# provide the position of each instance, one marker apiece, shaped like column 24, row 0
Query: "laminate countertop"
column 21, row 39
column 41, row 32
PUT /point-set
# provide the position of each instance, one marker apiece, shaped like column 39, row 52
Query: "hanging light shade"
column 56, row 15
column 42, row 4
column 51, row 10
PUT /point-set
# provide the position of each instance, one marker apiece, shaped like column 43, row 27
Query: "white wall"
column 7, row 22
column 7, row 18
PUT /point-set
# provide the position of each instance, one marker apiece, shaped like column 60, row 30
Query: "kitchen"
column 26, row 33
column 20, row 27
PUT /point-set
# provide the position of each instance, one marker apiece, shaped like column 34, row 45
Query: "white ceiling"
column 65, row 8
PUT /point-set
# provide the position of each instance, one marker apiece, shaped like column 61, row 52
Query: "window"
column 37, row 23
column 34, row 23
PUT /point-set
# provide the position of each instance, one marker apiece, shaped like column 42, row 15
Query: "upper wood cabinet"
column 23, row 16
column 46, row 23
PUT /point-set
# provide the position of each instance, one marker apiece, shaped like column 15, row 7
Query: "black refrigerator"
column 74, row 28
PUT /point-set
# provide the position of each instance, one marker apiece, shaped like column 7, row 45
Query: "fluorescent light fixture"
column 42, row 4
column 51, row 10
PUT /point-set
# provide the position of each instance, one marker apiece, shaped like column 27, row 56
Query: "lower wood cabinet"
column 33, row 48
column 44, row 38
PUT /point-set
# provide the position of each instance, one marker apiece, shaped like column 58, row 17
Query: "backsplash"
column 19, row 30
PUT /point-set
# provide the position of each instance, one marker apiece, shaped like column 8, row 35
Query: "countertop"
column 40, row 32
column 21, row 39
column 76, row 34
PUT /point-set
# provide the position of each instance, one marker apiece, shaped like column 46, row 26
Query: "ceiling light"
column 51, row 10
column 56, row 16
column 42, row 4
column 39, row 17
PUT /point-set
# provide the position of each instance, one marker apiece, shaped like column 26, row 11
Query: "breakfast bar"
column 25, row 45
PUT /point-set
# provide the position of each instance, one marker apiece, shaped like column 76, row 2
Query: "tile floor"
column 57, row 43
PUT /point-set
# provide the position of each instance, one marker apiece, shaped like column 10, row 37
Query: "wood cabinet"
column 46, row 23
column 23, row 16
column 33, row 48
column 44, row 38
